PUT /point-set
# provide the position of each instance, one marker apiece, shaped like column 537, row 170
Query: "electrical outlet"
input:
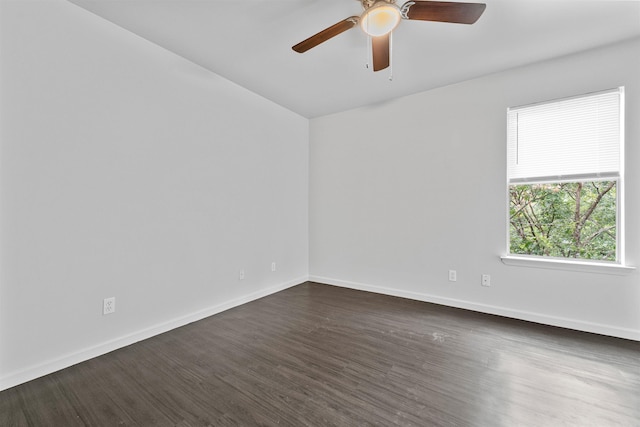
column 273, row 266
column 109, row 305
column 486, row 280
column 453, row 276
column 241, row 274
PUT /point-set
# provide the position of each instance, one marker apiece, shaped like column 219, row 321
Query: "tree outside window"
column 567, row 220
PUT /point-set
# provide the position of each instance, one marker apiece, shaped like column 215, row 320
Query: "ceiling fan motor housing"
column 366, row 4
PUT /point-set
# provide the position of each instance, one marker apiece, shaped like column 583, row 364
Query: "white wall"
column 127, row 171
column 404, row 191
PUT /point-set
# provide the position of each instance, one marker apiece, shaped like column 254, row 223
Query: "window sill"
column 561, row 264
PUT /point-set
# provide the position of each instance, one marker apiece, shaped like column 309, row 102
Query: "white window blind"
column 570, row 139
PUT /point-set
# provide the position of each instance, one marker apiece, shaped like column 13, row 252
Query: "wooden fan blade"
column 326, row 34
column 443, row 11
column 380, row 52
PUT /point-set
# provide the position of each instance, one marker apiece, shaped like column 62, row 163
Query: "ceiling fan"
column 381, row 17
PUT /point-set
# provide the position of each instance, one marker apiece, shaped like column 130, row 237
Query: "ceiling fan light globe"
column 380, row 19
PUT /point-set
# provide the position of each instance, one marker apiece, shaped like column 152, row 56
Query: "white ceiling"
column 249, row 42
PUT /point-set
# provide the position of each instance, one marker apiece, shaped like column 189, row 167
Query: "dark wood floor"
column 317, row 355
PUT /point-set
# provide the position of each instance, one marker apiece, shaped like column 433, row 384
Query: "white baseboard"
column 31, row 373
column 578, row 325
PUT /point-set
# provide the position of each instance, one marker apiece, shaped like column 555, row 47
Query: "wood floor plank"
column 318, row 355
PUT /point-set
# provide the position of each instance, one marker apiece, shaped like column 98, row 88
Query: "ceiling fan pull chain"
column 391, row 56
column 369, row 48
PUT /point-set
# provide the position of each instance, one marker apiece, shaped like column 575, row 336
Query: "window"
column 565, row 178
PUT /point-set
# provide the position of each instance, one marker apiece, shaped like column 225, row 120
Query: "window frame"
column 574, row 264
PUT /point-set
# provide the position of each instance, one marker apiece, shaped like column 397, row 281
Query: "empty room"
column 319, row 213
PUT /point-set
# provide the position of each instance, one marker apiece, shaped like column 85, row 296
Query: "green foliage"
column 567, row 220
